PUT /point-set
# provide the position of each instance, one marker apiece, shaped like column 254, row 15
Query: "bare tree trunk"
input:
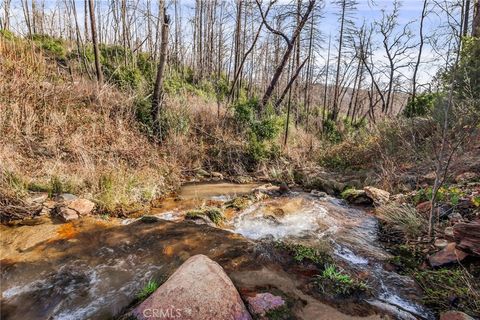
column 288, row 51
column 306, row 97
column 87, row 34
column 157, row 98
column 335, row 108
column 26, row 14
column 419, row 57
column 244, row 58
column 96, row 51
column 6, row 17
column 325, row 92
column 476, row 19
column 466, row 17
column 291, row 82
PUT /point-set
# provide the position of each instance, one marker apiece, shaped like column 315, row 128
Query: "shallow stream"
column 93, row 268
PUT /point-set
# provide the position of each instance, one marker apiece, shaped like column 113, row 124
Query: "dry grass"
column 56, row 130
column 403, row 219
column 58, row 133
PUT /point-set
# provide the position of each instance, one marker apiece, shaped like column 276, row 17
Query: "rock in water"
column 455, row 315
column 467, row 236
column 199, row 289
column 379, row 196
column 446, row 256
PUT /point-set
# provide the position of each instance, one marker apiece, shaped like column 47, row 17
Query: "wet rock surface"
column 199, row 289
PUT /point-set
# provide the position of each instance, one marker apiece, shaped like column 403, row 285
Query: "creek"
column 93, row 268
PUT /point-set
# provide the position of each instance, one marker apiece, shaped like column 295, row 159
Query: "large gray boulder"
column 199, row 289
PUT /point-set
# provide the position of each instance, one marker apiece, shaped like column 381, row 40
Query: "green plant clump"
column 148, row 289
column 53, row 46
column 334, row 281
column 422, row 106
column 320, row 255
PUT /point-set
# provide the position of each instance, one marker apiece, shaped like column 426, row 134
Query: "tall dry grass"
column 56, row 129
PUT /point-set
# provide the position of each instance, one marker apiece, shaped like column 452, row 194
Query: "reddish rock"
column 449, row 254
column 261, row 303
column 455, row 315
column 67, row 214
column 424, row 207
column 199, row 289
column 467, row 236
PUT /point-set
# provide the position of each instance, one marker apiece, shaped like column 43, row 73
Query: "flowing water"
column 93, row 268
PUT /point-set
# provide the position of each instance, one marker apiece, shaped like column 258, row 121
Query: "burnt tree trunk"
column 157, row 98
column 96, row 51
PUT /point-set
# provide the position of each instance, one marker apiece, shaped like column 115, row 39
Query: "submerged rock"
column 199, row 289
column 319, row 194
column 261, row 303
column 449, row 254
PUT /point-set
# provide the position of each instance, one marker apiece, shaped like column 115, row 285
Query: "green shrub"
column 450, row 194
column 331, row 132
column 244, row 112
column 267, row 128
column 7, row 34
column 422, row 106
column 53, row 46
column 123, row 77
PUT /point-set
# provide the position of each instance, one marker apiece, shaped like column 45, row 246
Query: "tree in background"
column 157, row 98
